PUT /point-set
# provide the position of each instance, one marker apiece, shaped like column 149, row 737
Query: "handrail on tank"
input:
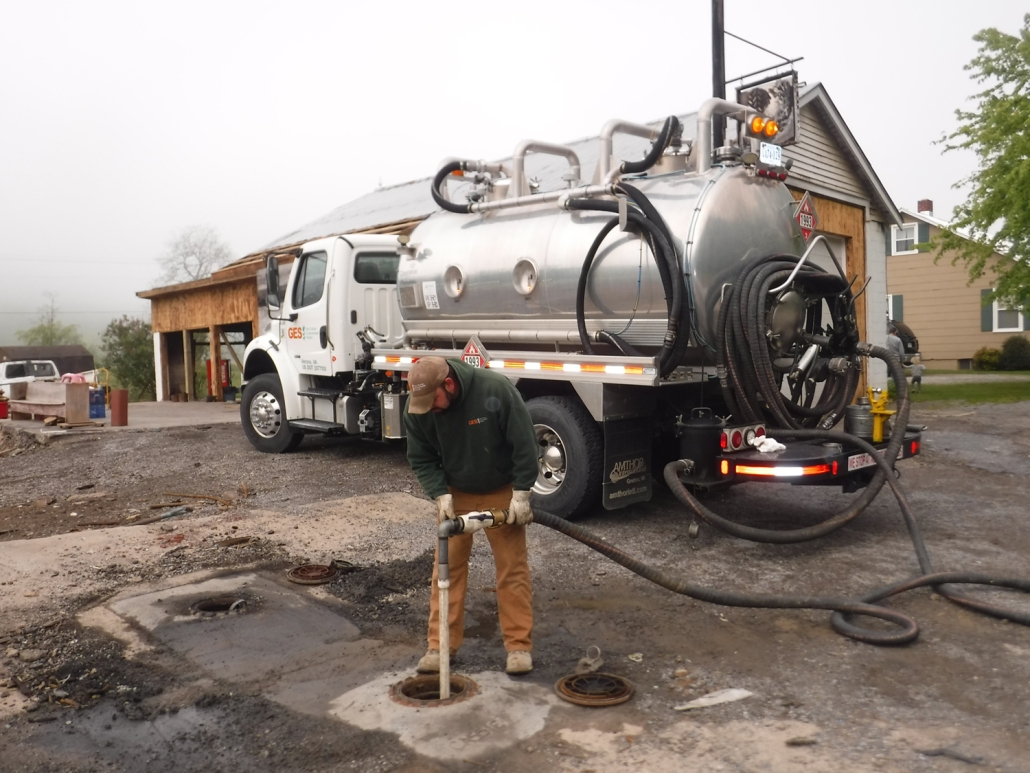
column 613, row 127
column 535, row 146
column 711, row 107
column 815, row 241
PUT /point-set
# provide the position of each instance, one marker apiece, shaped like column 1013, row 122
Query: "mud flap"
column 627, row 462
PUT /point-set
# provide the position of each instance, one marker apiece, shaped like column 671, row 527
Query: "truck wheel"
column 571, row 449
column 264, row 417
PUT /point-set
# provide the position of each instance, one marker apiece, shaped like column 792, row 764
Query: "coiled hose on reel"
column 844, row 609
column 747, row 375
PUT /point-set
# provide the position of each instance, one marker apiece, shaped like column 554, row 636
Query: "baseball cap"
column 425, row 376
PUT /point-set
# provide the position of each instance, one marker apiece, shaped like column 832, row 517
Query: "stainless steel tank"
column 511, row 275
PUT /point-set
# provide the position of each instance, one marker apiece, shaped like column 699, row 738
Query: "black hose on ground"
column 450, row 206
column 844, row 610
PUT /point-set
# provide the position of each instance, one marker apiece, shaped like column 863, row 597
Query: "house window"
column 903, row 239
column 1007, row 320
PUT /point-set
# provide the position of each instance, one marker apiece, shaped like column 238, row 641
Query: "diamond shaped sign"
column 474, row 354
column 805, row 215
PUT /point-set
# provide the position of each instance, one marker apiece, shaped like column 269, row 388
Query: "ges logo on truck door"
column 295, row 332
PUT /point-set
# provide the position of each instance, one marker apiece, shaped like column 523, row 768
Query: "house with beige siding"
column 946, row 311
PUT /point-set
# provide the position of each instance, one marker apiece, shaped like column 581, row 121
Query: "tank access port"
column 809, row 462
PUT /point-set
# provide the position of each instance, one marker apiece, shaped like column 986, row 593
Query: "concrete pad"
column 503, row 713
column 150, row 415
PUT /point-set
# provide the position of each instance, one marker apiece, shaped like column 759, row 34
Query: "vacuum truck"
column 669, row 308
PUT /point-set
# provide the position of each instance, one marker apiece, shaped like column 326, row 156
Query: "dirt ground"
column 82, row 689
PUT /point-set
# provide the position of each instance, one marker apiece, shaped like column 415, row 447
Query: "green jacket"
column 485, row 440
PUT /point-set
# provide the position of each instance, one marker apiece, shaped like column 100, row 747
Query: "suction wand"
column 463, row 524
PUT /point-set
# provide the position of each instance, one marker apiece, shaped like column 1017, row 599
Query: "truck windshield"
column 376, row 268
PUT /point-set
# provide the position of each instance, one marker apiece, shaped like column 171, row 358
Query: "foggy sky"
column 124, row 122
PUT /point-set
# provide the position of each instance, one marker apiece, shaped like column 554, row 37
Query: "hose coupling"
column 839, row 365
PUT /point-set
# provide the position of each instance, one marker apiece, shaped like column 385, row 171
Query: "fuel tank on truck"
column 510, row 275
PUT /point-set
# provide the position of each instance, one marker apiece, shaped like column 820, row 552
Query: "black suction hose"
column 665, row 260
column 844, row 610
column 670, row 129
column 615, row 340
column 450, row 206
column 749, row 382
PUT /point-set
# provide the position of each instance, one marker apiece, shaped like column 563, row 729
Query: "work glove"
column 444, row 508
column 519, row 511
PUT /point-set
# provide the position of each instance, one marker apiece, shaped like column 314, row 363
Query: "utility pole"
column 718, row 69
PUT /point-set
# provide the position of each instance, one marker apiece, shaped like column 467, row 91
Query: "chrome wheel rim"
column 266, row 415
column 551, row 459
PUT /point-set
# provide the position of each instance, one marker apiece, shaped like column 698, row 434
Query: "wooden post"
column 187, row 363
column 215, row 353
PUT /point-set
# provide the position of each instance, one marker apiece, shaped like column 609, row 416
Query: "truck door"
column 373, row 298
column 307, row 337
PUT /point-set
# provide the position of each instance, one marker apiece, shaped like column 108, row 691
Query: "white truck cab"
column 299, row 375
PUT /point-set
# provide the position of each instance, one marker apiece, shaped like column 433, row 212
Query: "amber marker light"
column 757, row 124
column 771, row 128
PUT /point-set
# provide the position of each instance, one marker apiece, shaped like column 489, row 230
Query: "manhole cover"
column 312, row 574
column 219, row 605
column 594, row 689
column 424, row 691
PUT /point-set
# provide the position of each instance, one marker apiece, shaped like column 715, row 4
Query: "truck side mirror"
column 274, row 299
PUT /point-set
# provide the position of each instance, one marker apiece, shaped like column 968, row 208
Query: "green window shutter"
column 986, row 313
column 923, row 233
column 898, row 310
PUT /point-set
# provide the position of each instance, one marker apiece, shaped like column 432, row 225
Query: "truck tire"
column 571, row 448
column 264, row 417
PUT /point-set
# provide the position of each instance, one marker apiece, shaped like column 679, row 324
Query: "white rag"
column 767, row 445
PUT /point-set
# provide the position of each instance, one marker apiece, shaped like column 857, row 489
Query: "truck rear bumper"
column 808, row 463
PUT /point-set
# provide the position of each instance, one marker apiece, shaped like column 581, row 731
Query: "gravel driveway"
column 81, row 698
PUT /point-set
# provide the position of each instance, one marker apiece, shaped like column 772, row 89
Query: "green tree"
column 48, row 330
column 129, row 355
column 996, row 216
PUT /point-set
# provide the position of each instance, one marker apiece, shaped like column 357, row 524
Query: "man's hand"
column 519, row 511
column 444, row 508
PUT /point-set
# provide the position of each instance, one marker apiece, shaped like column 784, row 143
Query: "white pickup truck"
column 18, row 371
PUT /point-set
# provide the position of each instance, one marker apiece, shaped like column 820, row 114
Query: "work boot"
column 519, row 662
column 430, row 663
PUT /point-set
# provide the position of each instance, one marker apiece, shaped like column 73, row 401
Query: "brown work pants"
column 514, row 592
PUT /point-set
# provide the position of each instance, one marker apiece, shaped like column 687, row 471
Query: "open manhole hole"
column 424, row 691
column 594, row 689
column 219, row 606
column 312, row 574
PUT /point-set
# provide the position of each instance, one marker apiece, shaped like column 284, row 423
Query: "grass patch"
column 991, row 392
column 938, row 372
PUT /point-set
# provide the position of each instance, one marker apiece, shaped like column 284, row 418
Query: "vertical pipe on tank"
column 718, row 68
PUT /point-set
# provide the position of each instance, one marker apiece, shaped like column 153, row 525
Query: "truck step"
column 317, row 425
column 328, row 394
